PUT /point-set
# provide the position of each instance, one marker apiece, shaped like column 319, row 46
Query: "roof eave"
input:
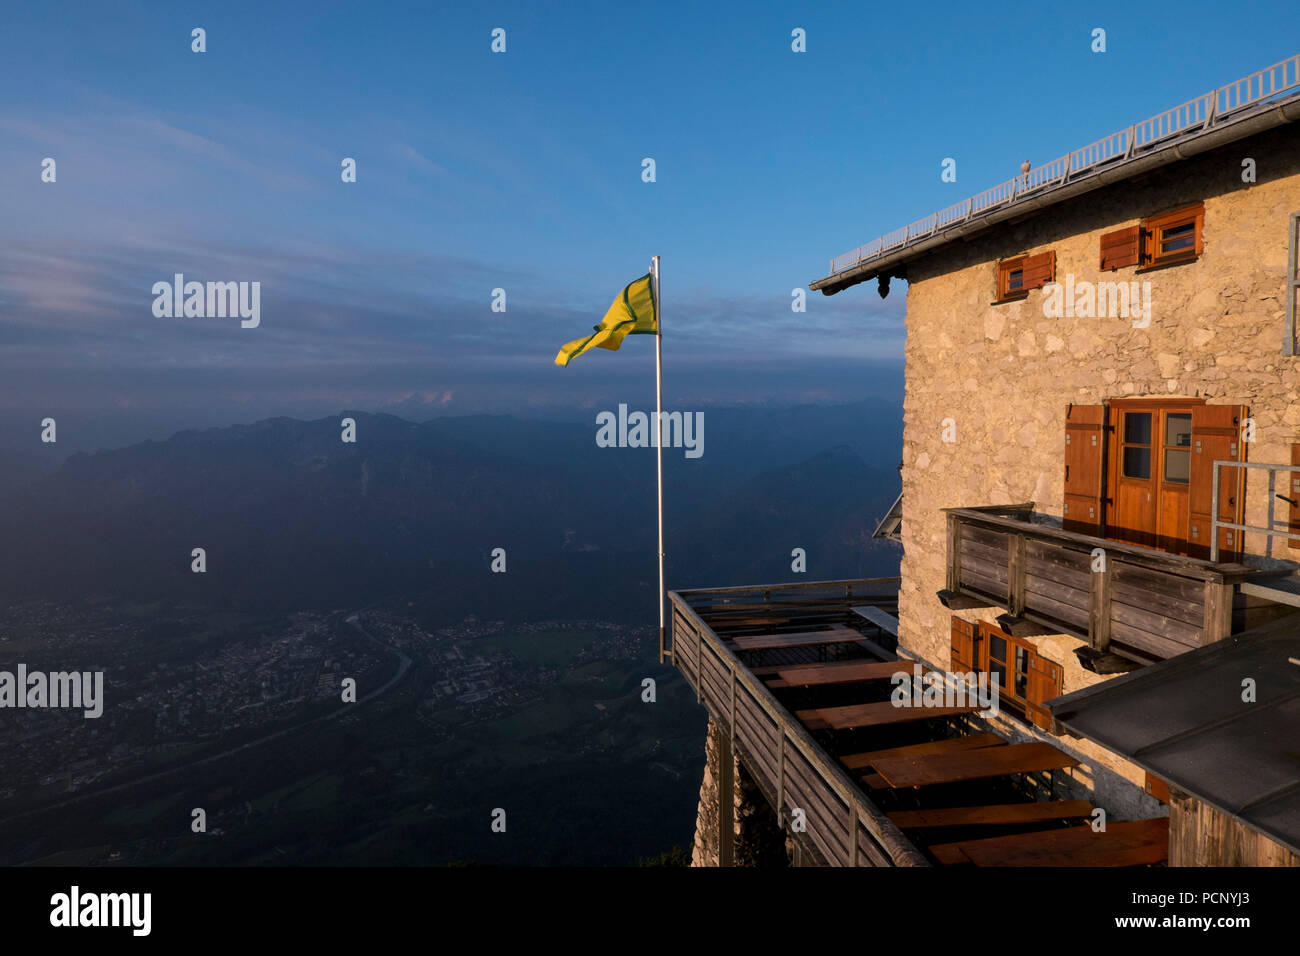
column 1250, row 122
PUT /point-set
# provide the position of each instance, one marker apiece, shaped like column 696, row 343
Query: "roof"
column 891, row 524
column 1184, row 721
column 1267, row 98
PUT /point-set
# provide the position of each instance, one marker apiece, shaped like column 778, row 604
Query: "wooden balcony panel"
column 1152, row 604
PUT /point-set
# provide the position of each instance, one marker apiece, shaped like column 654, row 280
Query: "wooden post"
column 954, row 554
column 1218, row 611
column 1099, row 613
column 726, row 802
column 853, row 833
column 1016, row 574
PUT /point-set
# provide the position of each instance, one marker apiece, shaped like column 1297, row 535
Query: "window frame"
column 1153, row 419
column 1007, row 266
column 1154, row 229
column 985, row 632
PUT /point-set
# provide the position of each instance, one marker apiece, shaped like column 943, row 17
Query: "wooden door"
column 1173, row 442
column 1216, row 436
column 1133, row 519
column 1085, row 469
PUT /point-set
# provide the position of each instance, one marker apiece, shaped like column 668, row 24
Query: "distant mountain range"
column 290, row 516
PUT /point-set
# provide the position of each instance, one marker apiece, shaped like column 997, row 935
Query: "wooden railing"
column 841, row 826
column 1140, row 603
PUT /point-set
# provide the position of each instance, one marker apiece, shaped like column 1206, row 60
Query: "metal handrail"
column 1202, row 113
column 1270, row 531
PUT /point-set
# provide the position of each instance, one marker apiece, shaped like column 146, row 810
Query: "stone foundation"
column 757, row 839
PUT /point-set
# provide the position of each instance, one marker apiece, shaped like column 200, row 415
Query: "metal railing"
column 1270, row 530
column 1202, row 113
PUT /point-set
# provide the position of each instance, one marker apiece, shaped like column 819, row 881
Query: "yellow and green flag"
column 633, row 313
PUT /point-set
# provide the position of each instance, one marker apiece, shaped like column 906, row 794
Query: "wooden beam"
column 1016, row 574
column 1100, row 610
column 1022, row 627
column 961, row 602
column 954, row 554
column 1218, row 612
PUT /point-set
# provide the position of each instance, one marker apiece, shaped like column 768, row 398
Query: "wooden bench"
column 1128, row 843
column 927, row 769
column 874, row 715
column 1002, row 813
column 836, row 672
column 948, row 745
column 781, row 642
column 882, row 619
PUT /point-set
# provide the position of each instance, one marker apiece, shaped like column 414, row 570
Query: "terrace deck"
column 823, row 716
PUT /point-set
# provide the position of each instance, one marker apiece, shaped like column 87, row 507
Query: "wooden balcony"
column 1141, row 604
column 843, row 827
column 798, row 679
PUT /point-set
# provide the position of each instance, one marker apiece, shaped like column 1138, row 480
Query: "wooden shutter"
column 1085, row 469
column 1123, row 247
column 1044, row 683
column 1039, row 270
column 961, row 660
column 1216, row 436
column 1293, row 492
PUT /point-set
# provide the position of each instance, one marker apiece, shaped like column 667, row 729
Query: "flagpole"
column 659, row 443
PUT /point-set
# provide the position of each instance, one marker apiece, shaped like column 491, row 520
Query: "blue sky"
column 522, row 171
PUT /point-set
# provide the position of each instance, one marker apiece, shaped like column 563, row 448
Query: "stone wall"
column 1005, row 373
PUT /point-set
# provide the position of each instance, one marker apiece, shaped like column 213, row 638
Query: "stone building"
column 1093, row 348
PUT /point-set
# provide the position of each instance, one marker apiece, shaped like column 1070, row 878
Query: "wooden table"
column 882, row 619
column 837, row 672
column 947, row 745
column 778, row 642
column 925, row 769
column 1129, row 843
column 994, row 814
column 874, row 715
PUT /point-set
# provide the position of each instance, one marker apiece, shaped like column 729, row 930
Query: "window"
column 1137, row 445
column 1157, row 241
column 1017, row 276
column 1173, row 236
column 1178, row 447
column 1025, row 680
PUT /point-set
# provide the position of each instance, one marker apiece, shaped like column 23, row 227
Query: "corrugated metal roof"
column 1184, row 720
